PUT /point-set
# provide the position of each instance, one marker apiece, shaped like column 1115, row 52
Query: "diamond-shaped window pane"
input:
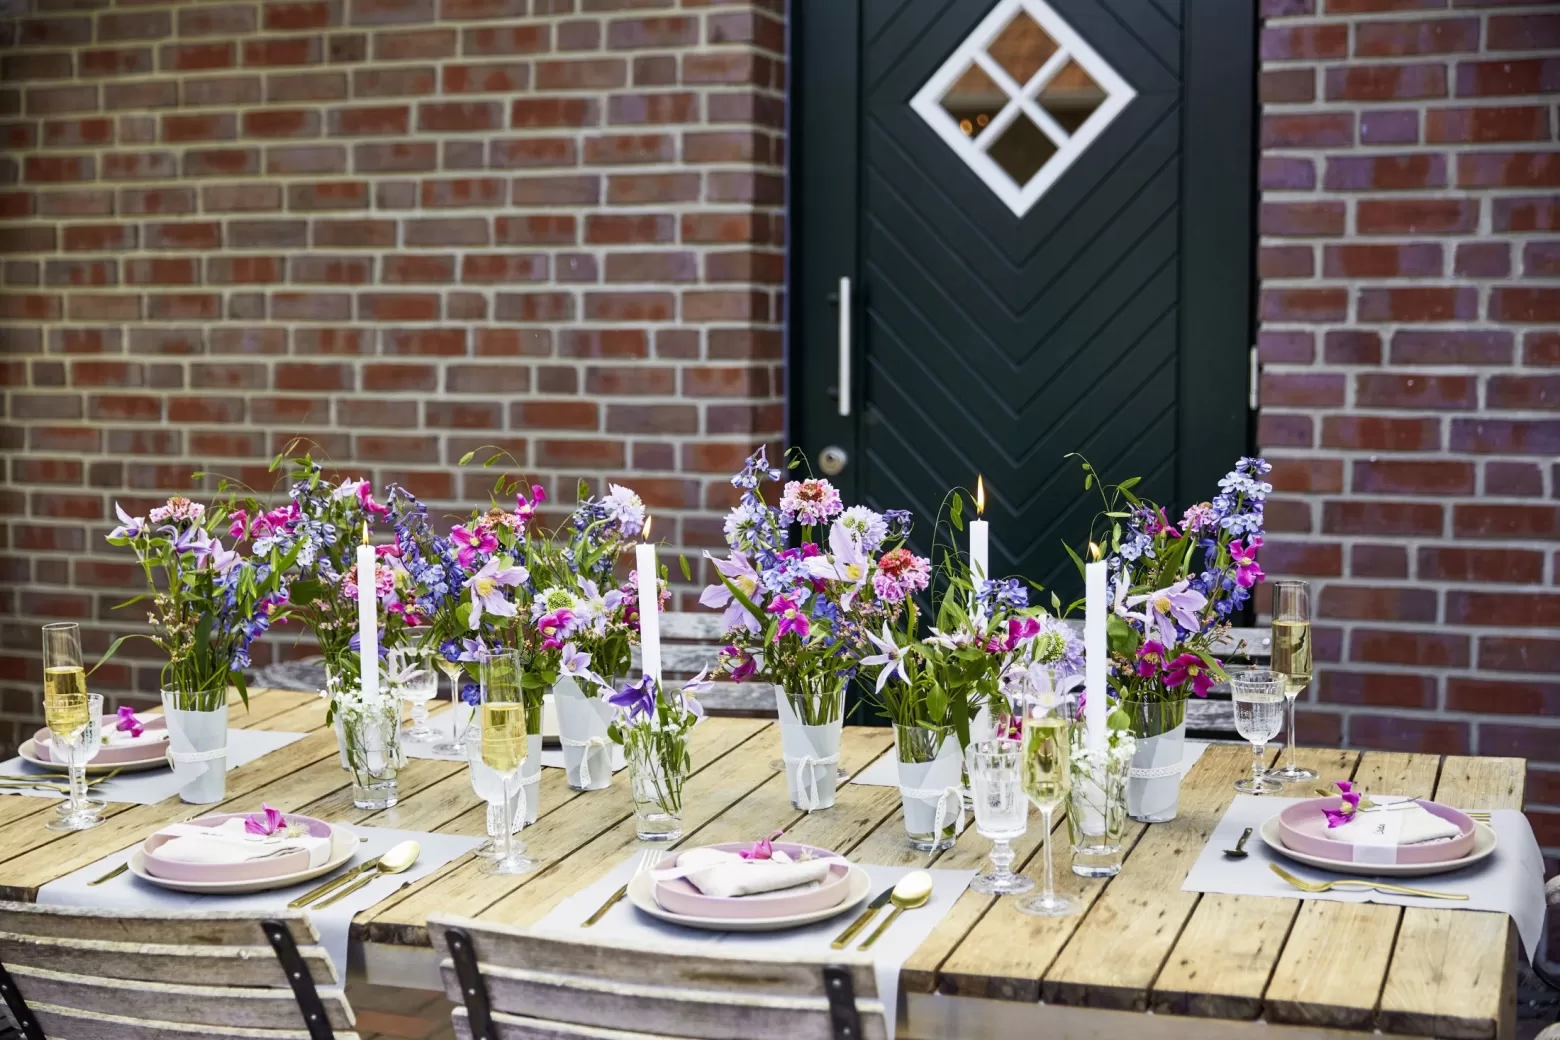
column 1022, row 47
column 1021, row 98
column 1022, row 149
column 974, row 100
column 1071, row 97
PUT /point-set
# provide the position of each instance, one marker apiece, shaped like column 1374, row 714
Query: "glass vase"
column 810, row 728
column 656, row 787
column 931, row 785
column 1097, row 809
column 372, row 739
column 1154, row 778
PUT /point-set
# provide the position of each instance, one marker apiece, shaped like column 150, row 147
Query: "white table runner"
column 624, row 921
column 154, row 785
column 128, row 892
column 884, row 772
column 1510, row 881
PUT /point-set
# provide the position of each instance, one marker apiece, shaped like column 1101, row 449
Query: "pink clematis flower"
column 552, row 627
column 471, row 543
column 265, row 822
column 792, row 619
column 1247, row 570
column 741, row 663
column 762, row 849
column 1345, row 811
column 525, row 509
column 1151, row 658
column 1190, row 667
column 128, row 723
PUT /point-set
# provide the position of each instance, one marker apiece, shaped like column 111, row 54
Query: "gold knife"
column 608, row 905
column 347, row 875
column 864, row 919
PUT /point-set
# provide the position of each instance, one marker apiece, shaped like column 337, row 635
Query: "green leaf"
column 238, row 680
column 114, row 648
column 682, row 561
column 131, row 600
column 582, row 491
column 956, row 511
column 1076, row 559
column 467, row 457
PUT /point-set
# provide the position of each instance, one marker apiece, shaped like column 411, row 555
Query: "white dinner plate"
column 641, row 892
column 94, row 768
column 343, row 845
column 1483, row 845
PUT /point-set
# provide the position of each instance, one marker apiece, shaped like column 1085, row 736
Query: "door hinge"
column 1253, row 398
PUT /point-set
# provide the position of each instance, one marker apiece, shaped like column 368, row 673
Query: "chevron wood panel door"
column 1044, row 208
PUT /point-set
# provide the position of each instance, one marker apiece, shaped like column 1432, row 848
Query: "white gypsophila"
column 868, row 526
column 1119, row 748
column 624, row 506
column 351, row 702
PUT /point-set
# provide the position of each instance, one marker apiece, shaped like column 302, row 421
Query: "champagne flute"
column 410, row 672
column 1259, row 695
column 455, row 747
column 74, row 718
column 1045, row 778
column 1292, row 658
column 502, row 749
column 1001, row 812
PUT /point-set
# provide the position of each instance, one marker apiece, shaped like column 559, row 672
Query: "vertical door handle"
column 845, row 319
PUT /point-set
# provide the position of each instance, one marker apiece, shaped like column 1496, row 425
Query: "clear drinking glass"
column 1045, row 778
column 460, row 718
column 1001, row 812
column 74, row 718
column 411, row 674
column 1259, row 713
column 373, row 743
column 1292, row 658
column 502, row 749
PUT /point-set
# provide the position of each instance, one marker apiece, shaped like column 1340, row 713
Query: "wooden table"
column 1207, row 965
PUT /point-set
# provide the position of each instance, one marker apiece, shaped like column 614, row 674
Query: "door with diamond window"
column 1021, row 228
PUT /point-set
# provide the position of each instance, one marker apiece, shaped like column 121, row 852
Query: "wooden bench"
column 72, row 973
column 513, row 984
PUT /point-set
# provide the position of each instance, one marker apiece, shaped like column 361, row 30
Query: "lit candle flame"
column 980, row 495
column 1094, row 550
column 645, row 534
column 365, row 532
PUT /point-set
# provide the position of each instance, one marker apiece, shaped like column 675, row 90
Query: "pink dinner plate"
column 250, row 870
column 1303, row 828
column 679, row 896
column 113, row 754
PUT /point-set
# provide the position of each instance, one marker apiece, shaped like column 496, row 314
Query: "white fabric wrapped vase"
column 197, row 749
column 531, row 778
column 811, row 754
column 1154, row 778
column 930, row 785
column 589, row 756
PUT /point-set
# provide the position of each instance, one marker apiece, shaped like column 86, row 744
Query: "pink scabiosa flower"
column 1247, row 570
column 810, row 502
column 177, row 509
column 1150, row 658
column 1197, row 517
column 900, row 573
column 553, row 627
column 1193, row 668
column 792, row 620
column 471, row 543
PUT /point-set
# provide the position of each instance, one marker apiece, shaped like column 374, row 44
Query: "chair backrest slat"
column 207, row 928
column 543, row 986
column 149, row 962
column 75, row 1024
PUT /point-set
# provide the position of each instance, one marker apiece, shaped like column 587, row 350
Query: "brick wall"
column 403, row 228
column 1410, row 351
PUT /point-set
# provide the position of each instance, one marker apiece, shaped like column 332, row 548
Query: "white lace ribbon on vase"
column 953, row 794
column 588, row 744
column 1154, row 772
column 178, row 758
column 807, row 779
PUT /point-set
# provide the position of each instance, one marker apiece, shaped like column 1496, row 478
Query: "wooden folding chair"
column 517, row 984
column 70, row 973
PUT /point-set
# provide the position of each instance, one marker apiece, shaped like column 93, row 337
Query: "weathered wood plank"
column 1453, row 970
column 1220, row 965
column 1332, row 967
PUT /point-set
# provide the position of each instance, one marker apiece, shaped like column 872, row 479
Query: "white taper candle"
column 1095, row 660
column 649, row 605
column 368, row 618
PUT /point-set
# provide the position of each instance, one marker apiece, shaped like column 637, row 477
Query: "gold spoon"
column 399, row 858
column 912, row 890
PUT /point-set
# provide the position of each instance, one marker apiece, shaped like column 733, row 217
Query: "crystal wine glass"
column 1001, row 812
column 410, row 672
column 455, row 747
column 500, row 751
column 1292, row 658
column 74, row 718
column 1259, row 713
column 1045, row 778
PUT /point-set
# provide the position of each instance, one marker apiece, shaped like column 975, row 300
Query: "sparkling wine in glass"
column 460, row 716
column 1292, row 659
column 1001, row 811
column 74, row 718
column 501, row 749
column 1044, row 777
column 1259, row 695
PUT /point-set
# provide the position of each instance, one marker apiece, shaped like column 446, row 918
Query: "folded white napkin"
column 1395, row 824
column 230, row 843
column 718, row 873
column 116, row 737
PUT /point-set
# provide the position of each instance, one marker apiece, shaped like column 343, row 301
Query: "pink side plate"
column 1302, row 827
column 251, row 870
column 111, row 754
column 681, row 897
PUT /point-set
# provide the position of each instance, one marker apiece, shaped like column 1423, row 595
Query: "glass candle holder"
column 655, row 783
column 372, row 738
column 1097, row 805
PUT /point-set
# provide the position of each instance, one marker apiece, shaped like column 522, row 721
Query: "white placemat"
column 155, row 785
column 128, row 892
column 1510, row 881
column 884, row 773
column 625, row 921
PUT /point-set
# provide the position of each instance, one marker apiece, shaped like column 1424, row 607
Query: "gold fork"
column 1323, row 886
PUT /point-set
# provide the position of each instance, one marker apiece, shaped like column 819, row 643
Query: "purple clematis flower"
column 698, row 684
column 471, row 543
column 636, row 698
column 792, row 619
column 129, row 526
column 740, row 572
column 473, row 651
column 222, row 560
column 1346, row 810
column 193, row 539
column 1163, row 610
column 890, row 656
column 266, row 822
column 487, row 587
column 846, row 562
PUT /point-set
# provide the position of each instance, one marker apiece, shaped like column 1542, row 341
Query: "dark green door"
column 1044, row 211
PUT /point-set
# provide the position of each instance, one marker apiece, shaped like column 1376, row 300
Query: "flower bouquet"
column 652, row 728
column 1172, row 590
column 799, row 615
column 209, row 605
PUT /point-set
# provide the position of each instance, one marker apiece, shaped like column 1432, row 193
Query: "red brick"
column 1505, row 77
column 1416, row 477
column 1522, row 32
column 1377, row 603
column 1508, row 170
column 1377, row 689
column 1480, row 520
column 1390, row 390
column 1311, row 130
column 1294, row 219
column 1379, row 433
column 1533, row 697
column 1415, row 260
column 1416, row 216
column 1519, row 654
column 1424, row 735
column 581, row 75
column 1283, row 305
column 414, row 44
column 293, row 50
column 1507, row 436
column 1431, row 36
column 1378, row 561
column 1419, row 304
column 1487, row 125
column 1284, row 431
column 1522, row 304
column 1365, row 517
column 1426, row 649
column 1305, row 41
column 1385, row 82
column 509, row 39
